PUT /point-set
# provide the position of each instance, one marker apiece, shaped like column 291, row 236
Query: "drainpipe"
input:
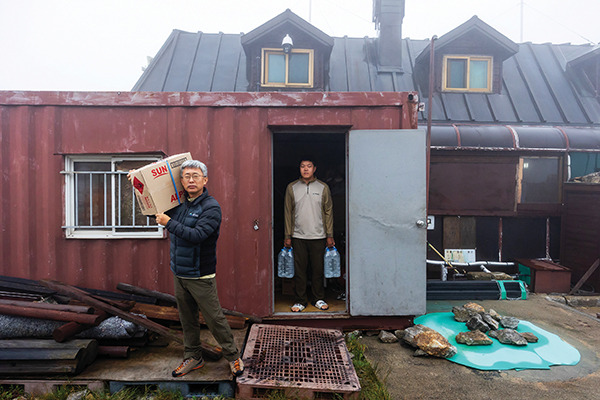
column 548, row 238
column 500, row 239
column 429, row 107
column 259, row 73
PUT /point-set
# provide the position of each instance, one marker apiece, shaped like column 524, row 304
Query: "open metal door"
column 387, row 222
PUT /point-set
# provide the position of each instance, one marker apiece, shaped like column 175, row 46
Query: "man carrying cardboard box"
column 157, row 185
column 194, row 229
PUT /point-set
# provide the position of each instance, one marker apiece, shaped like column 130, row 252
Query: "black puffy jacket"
column 194, row 230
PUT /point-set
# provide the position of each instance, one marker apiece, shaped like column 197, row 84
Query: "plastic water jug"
column 332, row 263
column 285, row 263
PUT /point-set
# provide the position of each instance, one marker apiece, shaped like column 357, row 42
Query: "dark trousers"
column 308, row 261
column 195, row 295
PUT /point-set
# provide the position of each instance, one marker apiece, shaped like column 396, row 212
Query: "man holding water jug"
column 308, row 229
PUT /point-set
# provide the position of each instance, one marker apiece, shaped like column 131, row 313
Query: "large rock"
column 510, row 336
column 479, row 276
column 420, row 353
column 594, row 177
column 387, row 337
column 399, row 333
column 490, row 321
column 509, row 322
column 473, row 338
column 494, row 314
column 476, row 323
column 462, row 314
column 493, row 333
column 530, row 337
column 428, row 340
column 474, row 307
column 501, row 276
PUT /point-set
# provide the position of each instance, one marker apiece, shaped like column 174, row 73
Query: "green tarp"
column 549, row 350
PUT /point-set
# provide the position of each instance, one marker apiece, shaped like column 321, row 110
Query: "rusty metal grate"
column 310, row 360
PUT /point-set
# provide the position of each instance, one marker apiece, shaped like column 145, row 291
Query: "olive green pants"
column 308, row 253
column 195, row 295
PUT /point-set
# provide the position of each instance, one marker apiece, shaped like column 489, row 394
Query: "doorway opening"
column 329, row 151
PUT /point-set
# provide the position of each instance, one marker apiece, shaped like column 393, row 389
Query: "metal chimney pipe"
column 388, row 15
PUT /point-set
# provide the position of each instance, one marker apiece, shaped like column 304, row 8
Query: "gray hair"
column 194, row 164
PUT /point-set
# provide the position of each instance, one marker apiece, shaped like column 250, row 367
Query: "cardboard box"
column 158, row 185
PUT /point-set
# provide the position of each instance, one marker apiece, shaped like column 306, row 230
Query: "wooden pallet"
column 251, row 392
column 186, row 388
column 46, row 386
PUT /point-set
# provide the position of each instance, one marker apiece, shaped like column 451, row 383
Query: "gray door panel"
column 386, row 201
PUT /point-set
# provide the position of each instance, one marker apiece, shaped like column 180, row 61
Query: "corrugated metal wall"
column 229, row 131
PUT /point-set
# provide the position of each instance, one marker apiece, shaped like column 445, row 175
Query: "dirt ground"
column 409, row 377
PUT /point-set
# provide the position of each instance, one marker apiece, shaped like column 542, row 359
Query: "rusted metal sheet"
column 580, row 231
column 472, row 185
column 231, row 132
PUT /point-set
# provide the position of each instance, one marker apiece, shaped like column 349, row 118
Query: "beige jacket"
column 308, row 210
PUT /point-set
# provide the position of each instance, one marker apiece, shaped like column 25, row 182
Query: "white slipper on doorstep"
column 297, row 307
column 321, row 305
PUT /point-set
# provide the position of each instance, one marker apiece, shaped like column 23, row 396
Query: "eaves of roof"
column 583, row 58
column 514, row 138
column 287, row 17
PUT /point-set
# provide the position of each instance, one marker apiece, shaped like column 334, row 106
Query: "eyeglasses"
column 195, row 177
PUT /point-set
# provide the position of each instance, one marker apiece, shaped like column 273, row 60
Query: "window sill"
column 539, row 209
column 71, row 234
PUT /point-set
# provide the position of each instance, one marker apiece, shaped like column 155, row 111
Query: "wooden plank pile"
column 40, row 356
column 63, row 312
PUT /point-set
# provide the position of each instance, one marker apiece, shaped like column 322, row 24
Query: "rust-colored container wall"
column 231, row 132
column 472, row 185
column 580, row 245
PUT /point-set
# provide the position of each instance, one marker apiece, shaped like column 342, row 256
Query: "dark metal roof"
column 197, row 62
column 536, row 88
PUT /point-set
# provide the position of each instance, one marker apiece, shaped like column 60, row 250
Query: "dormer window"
column 468, row 59
column 587, row 66
column 287, row 54
column 467, row 73
column 292, row 69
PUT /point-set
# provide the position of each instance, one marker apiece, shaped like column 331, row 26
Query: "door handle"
column 420, row 223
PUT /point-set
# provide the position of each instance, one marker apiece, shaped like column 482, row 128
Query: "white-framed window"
column 467, row 73
column 293, row 69
column 99, row 199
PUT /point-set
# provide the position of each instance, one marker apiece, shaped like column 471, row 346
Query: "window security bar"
column 111, row 188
